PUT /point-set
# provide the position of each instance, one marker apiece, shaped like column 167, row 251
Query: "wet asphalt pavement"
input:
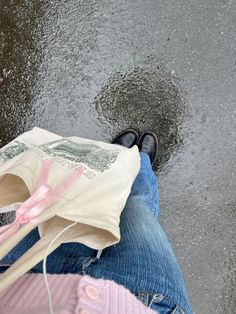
column 92, row 68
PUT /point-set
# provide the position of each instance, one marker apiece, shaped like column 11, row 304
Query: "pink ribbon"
column 39, row 200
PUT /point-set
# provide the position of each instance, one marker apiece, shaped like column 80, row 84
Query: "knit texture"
column 71, row 294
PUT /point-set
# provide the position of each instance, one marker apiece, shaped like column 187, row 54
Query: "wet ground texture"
column 92, row 68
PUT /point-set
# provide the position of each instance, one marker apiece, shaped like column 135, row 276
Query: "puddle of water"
column 146, row 98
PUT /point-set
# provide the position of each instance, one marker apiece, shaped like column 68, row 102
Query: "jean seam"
column 160, row 297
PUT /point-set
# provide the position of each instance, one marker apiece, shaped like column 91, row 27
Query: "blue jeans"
column 142, row 261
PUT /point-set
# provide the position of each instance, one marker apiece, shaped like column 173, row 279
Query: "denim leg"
column 146, row 186
column 143, row 260
column 69, row 258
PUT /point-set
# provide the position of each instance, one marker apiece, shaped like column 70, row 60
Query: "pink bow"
column 39, row 200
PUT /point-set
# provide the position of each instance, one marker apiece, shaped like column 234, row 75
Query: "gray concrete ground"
column 91, row 68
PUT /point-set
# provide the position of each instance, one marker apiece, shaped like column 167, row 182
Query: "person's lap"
column 142, row 261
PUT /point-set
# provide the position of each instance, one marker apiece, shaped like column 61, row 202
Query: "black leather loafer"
column 127, row 138
column 148, row 143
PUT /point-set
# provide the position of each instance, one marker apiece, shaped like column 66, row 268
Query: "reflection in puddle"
column 146, row 99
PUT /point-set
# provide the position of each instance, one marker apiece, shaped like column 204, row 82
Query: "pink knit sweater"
column 70, row 294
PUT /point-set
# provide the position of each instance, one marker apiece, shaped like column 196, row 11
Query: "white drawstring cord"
column 45, row 266
column 99, row 253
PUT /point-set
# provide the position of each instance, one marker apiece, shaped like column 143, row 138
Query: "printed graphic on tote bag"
column 92, row 155
column 13, row 149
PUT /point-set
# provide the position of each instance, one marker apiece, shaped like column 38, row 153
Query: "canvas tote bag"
column 93, row 180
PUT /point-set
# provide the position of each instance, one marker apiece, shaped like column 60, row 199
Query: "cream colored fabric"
column 95, row 200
